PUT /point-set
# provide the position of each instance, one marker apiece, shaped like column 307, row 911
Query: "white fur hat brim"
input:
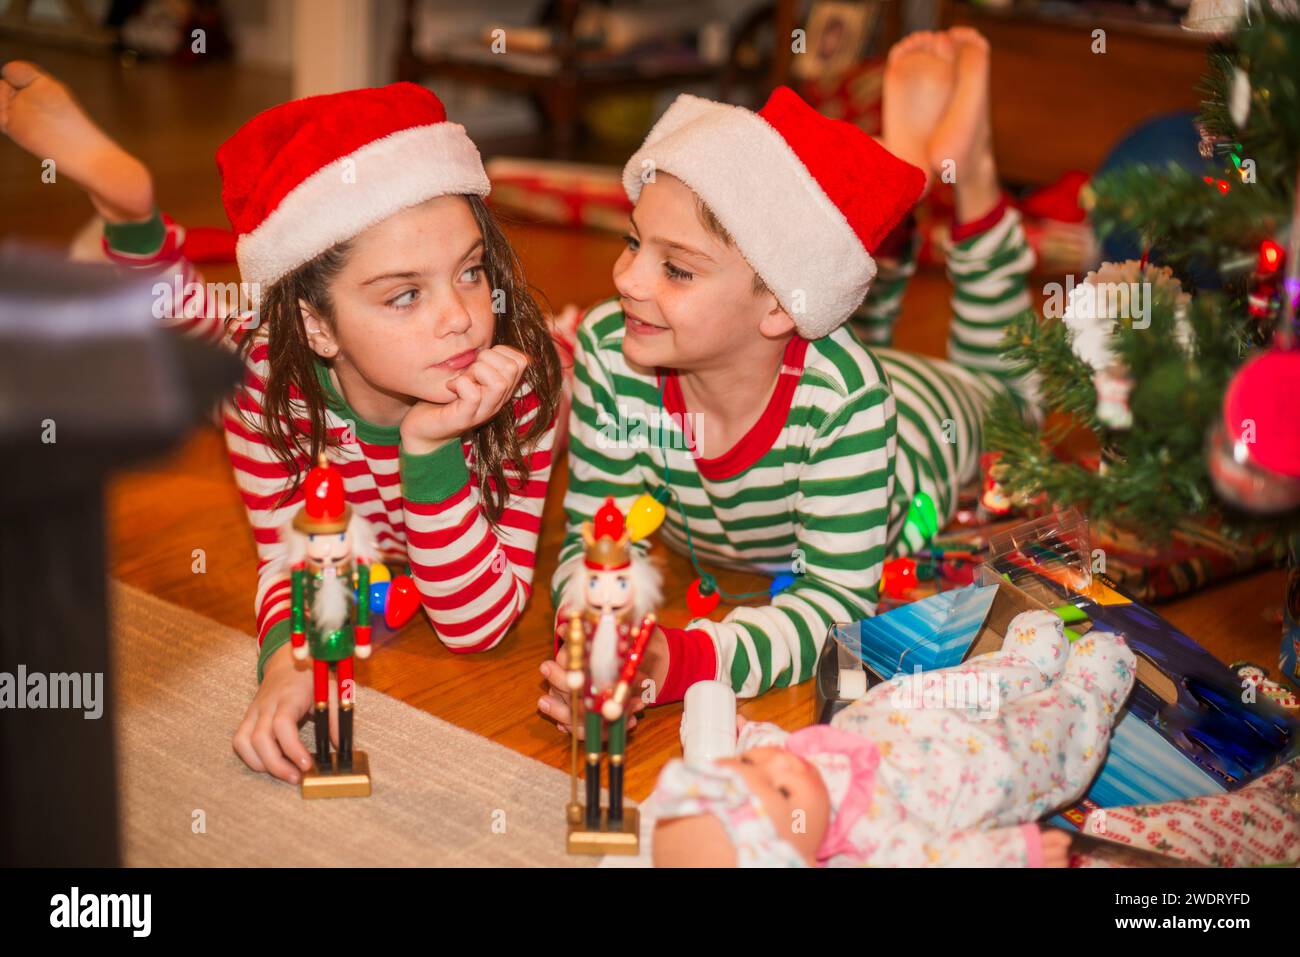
column 785, row 226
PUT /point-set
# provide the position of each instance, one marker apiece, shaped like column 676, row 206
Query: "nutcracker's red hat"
column 325, row 510
column 608, row 546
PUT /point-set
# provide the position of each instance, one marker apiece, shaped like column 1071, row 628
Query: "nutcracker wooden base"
column 626, row 840
column 333, row 783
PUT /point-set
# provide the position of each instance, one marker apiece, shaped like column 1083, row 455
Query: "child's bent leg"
column 1033, row 655
column 895, row 264
column 1057, row 738
column 917, row 87
column 989, row 259
column 988, row 270
column 941, row 407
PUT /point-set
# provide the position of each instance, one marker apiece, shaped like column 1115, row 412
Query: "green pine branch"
column 1155, row 472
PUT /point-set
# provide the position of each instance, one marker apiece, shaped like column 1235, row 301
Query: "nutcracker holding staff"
column 329, row 554
column 608, row 599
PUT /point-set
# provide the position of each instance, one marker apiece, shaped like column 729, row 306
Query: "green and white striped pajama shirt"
column 821, row 484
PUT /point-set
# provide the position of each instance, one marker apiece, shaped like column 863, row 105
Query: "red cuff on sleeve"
column 691, row 658
column 964, row 231
column 1033, row 844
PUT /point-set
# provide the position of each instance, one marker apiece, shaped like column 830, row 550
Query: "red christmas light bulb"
column 701, row 598
column 402, row 603
column 899, row 577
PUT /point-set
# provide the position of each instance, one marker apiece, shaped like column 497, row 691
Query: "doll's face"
column 688, row 296
column 332, row 550
column 412, row 304
column 608, row 591
column 791, row 792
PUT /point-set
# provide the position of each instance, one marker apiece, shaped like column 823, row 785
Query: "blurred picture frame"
column 838, row 34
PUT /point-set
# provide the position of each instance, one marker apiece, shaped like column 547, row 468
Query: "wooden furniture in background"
column 1059, row 106
column 78, row 27
column 560, row 78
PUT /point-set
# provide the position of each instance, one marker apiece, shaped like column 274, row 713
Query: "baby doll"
column 896, row 780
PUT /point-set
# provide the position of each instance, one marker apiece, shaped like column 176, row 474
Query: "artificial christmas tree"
column 1136, row 366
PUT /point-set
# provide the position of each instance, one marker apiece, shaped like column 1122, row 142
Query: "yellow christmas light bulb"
column 646, row 514
column 379, row 573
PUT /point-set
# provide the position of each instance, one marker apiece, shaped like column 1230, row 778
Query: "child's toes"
column 20, row 73
column 968, row 35
column 903, row 45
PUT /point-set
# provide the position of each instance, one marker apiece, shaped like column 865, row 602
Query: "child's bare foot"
column 963, row 140
column 918, row 84
column 40, row 114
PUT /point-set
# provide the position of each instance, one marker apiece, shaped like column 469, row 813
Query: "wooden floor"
column 160, row 514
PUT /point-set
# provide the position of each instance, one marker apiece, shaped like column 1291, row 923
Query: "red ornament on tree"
column 1254, row 452
column 702, row 597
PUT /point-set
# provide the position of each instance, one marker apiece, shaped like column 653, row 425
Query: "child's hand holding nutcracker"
column 621, row 593
column 329, row 549
column 651, row 671
column 607, row 633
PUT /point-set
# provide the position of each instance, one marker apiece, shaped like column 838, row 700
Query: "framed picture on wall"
column 838, row 34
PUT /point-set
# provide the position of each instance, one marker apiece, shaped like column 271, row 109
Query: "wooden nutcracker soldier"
column 330, row 550
column 609, row 599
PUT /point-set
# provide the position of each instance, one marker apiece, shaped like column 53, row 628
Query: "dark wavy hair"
column 498, row 443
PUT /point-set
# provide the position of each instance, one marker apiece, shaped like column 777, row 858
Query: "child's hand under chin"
column 481, row 390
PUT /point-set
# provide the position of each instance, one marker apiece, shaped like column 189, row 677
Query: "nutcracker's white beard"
column 605, row 664
column 329, row 608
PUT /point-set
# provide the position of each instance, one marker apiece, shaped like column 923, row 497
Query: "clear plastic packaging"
column 1056, row 547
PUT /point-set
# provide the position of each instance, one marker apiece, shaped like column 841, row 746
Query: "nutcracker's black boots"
column 615, row 795
column 345, row 738
column 321, row 717
column 593, row 792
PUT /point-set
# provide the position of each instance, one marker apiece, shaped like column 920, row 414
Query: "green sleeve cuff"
column 137, row 239
column 435, row 476
column 277, row 636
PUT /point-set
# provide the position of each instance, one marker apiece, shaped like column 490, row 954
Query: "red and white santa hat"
column 307, row 174
column 806, row 198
